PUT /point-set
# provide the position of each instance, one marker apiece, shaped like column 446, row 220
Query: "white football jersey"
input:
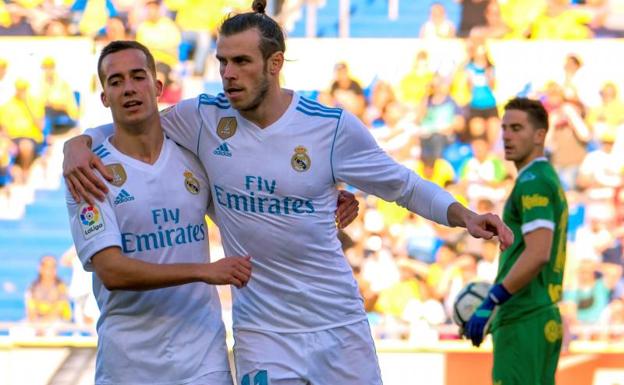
column 154, row 213
column 274, row 193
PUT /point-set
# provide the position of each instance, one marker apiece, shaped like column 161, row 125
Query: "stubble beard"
column 263, row 90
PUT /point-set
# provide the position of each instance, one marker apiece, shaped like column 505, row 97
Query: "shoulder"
column 218, row 101
column 312, row 108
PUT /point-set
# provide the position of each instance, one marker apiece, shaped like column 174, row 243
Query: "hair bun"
column 259, row 6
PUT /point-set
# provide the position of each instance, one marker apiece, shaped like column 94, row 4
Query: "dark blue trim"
column 317, row 106
column 331, row 156
column 312, row 113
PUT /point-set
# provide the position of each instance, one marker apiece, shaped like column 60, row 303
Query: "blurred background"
column 429, row 78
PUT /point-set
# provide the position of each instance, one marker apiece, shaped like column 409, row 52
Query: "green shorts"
column 527, row 351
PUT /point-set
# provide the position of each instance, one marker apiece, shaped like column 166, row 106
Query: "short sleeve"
column 536, row 199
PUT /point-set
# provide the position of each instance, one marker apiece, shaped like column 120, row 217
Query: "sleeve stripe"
column 537, row 224
column 331, row 156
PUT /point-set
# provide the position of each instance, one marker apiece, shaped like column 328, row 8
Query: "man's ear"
column 104, row 99
column 276, row 62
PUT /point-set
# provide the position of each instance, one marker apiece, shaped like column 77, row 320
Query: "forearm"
column 119, row 272
column 522, row 272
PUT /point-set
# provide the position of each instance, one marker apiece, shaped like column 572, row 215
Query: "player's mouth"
column 132, row 105
column 233, row 92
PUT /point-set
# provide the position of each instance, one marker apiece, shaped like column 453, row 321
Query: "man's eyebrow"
column 132, row 72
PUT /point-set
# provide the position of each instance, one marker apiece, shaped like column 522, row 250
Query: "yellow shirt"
column 414, row 87
column 442, row 172
column 567, row 25
column 21, row 120
column 200, row 15
column 162, row 38
column 60, row 96
column 392, row 301
column 520, row 14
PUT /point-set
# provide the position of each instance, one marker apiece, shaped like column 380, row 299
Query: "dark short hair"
column 533, row 108
column 122, row 45
column 271, row 34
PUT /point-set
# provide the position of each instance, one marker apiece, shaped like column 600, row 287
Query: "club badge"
column 300, row 161
column 227, row 127
column 191, row 183
column 119, row 174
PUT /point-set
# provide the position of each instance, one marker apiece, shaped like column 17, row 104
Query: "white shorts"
column 339, row 356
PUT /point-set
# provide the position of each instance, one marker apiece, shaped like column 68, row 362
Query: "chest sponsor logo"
column 223, row 150
column 531, row 201
column 91, row 220
column 119, row 174
column 300, row 161
column 123, row 197
column 191, row 183
column 227, row 127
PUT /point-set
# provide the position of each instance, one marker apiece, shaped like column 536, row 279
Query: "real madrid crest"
column 227, row 127
column 119, row 174
column 191, row 183
column 300, row 161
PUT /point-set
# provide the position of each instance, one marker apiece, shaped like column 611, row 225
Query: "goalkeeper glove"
column 476, row 327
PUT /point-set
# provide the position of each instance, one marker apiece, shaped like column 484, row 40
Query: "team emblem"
column 300, row 161
column 191, row 183
column 119, row 174
column 227, row 127
column 553, row 331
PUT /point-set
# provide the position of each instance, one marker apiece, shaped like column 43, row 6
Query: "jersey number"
column 261, row 378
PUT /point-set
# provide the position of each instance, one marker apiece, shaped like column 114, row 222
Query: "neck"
column 537, row 153
column 271, row 109
column 141, row 143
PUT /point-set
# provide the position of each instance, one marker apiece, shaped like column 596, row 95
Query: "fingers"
column 72, row 189
column 89, row 190
column 80, row 190
column 348, row 215
column 97, row 164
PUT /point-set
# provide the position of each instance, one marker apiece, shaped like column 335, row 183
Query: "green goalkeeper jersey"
column 536, row 201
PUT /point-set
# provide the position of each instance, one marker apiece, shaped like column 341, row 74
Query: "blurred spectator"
column 199, row 20
column 609, row 21
column 472, row 15
column 436, row 170
column 93, row 15
column 520, row 14
column 8, row 151
column 562, row 21
column 6, row 90
column 495, row 27
column 438, row 25
column 484, row 174
column 346, row 92
column 61, row 109
column 115, row 29
column 396, row 136
column 568, row 135
column 46, row 298
column 80, row 291
column 172, row 87
column 56, row 28
column 599, row 176
column 22, row 118
column 382, row 94
column 160, row 34
column 578, row 85
column 440, row 117
column 414, row 86
column 483, row 118
column 393, row 300
column 19, row 24
column 608, row 116
column 590, row 296
column 418, row 237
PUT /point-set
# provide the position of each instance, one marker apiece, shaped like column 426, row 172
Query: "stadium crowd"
column 443, row 125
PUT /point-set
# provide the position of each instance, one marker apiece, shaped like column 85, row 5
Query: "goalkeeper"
column 526, row 328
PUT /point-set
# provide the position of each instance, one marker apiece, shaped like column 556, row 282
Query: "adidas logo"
column 123, row 197
column 222, row 150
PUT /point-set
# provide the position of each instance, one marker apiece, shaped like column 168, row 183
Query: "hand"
column 347, row 209
column 78, row 165
column 230, row 270
column 489, row 225
column 478, row 325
